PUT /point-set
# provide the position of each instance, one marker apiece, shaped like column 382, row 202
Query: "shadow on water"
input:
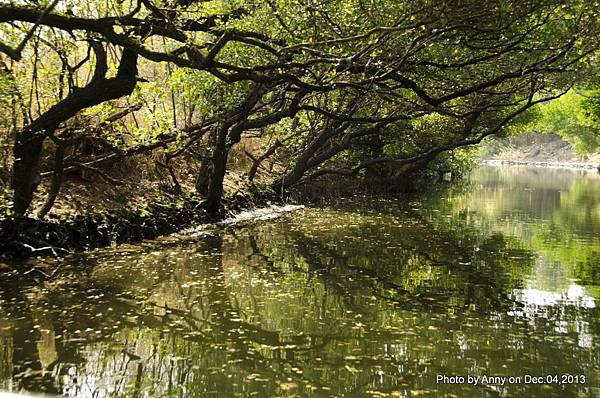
column 365, row 297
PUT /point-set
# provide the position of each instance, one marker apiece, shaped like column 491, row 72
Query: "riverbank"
column 537, row 150
column 547, row 164
column 29, row 237
column 100, row 214
column 68, row 232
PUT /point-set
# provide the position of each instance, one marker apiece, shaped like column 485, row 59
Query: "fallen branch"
column 99, row 172
column 49, row 247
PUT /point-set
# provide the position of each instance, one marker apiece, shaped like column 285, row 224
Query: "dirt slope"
column 536, row 147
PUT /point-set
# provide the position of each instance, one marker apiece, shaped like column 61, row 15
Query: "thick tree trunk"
column 27, row 152
column 227, row 137
column 29, row 143
column 229, row 134
column 292, row 177
column 57, row 177
column 212, row 203
column 203, row 179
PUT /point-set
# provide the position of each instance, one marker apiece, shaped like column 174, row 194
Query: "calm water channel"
column 368, row 297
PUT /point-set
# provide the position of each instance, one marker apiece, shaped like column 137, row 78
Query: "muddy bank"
column 67, row 233
column 33, row 237
column 23, row 238
column 29, row 237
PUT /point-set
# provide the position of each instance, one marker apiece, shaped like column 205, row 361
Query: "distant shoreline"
column 546, row 164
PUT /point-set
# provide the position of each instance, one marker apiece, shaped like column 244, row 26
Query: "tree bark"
column 228, row 134
column 214, row 194
column 29, row 143
column 305, row 162
column 57, row 178
column 27, row 152
column 203, row 179
column 256, row 162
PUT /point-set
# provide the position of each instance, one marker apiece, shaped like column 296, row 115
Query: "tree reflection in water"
column 355, row 299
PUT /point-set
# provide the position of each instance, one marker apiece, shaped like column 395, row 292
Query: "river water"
column 489, row 288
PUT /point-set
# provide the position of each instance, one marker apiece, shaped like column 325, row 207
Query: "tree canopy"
column 331, row 87
column 575, row 116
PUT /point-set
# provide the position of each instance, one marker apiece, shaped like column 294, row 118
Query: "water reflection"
column 366, row 297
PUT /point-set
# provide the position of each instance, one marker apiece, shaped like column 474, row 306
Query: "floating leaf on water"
column 286, row 386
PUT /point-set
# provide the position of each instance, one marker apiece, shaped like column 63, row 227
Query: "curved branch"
column 431, row 153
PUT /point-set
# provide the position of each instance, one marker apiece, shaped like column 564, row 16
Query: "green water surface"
column 362, row 297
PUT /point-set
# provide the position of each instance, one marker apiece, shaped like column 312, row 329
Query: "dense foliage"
column 347, row 88
column 575, row 116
